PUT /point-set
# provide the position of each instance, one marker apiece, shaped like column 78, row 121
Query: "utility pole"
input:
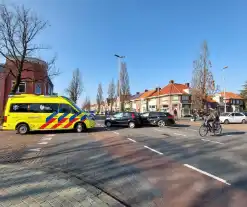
column 223, row 69
column 119, row 79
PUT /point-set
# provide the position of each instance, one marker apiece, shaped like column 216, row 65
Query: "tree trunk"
column 111, row 106
column 17, row 83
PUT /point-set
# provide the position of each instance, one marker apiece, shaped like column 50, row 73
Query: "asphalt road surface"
column 150, row 166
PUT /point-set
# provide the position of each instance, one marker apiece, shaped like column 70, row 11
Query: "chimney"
column 146, row 90
column 171, row 81
column 187, row 84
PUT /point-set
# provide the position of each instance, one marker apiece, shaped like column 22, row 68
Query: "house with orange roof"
column 135, row 103
column 234, row 102
column 172, row 96
column 143, row 99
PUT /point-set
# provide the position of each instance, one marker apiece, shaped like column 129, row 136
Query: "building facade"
column 34, row 80
column 234, row 102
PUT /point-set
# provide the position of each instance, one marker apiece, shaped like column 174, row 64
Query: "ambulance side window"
column 19, row 108
column 65, row 108
column 43, row 108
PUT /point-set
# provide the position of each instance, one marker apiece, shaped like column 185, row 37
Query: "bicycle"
column 205, row 128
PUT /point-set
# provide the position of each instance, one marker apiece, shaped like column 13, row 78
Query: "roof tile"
column 172, row 88
column 231, row 95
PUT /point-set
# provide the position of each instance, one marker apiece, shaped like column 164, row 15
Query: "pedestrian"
column 175, row 114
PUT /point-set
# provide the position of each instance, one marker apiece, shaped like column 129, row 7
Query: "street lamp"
column 223, row 69
column 119, row 57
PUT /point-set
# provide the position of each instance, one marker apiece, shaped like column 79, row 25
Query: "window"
column 38, row 88
column 43, row 108
column 185, row 98
column 127, row 114
column 238, row 114
column 237, row 101
column 44, row 88
column 50, row 91
column 65, row 108
column 19, row 108
column 145, row 115
column 175, row 98
column 118, row 115
column 21, row 88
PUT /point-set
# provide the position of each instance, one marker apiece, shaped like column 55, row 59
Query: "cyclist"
column 213, row 117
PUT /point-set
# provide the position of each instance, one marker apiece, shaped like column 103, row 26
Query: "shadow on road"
column 233, row 133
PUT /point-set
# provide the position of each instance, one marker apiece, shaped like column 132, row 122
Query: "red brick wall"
column 36, row 72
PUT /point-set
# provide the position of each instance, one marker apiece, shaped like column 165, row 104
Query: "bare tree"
column 75, row 87
column 18, row 29
column 124, row 86
column 86, row 104
column 111, row 93
column 202, row 84
column 99, row 97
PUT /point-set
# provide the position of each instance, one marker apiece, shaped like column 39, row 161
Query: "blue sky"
column 160, row 39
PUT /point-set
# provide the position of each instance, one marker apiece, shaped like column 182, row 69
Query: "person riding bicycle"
column 213, row 117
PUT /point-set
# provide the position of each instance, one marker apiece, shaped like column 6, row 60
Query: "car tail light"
column 170, row 117
column 5, row 119
column 133, row 116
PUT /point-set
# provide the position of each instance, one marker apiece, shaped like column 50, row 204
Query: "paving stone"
column 31, row 187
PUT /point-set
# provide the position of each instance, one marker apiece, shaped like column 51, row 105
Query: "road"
column 148, row 166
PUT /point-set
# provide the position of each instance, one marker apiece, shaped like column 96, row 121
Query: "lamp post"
column 223, row 69
column 158, row 90
column 119, row 75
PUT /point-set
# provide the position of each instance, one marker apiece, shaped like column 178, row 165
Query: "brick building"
column 35, row 80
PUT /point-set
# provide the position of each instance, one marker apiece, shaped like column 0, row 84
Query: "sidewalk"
column 238, row 127
column 12, row 145
column 22, row 186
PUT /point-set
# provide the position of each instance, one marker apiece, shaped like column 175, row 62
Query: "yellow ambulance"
column 29, row 112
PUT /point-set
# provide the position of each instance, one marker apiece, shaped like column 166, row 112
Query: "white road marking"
column 193, row 130
column 158, row 130
column 208, row 174
column 50, row 135
column 35, row 150
column 43, row 143
column 179, row 134
column 46, row 138
column 207, row 140
column 153, row 150
column 115, row 132
column 228, row 135
column 132, row 140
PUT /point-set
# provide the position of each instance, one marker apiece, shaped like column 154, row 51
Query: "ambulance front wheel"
column 80, row 127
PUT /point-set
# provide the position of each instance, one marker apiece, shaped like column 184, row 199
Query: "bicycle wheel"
column 218, row 130
column 203, row 131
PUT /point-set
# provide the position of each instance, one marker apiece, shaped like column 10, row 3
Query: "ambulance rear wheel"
column 22, row 128
column 80, row 127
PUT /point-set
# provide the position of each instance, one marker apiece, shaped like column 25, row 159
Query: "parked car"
column 157, row 118
column 233, row 117
column 130, row 119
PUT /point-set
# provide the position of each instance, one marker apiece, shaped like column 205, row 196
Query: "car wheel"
column 80, row 127
column 161, row 123
column 243, row 121
column 108, row 124
column 226, row 121
column 132, row 125
column 22, row 129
